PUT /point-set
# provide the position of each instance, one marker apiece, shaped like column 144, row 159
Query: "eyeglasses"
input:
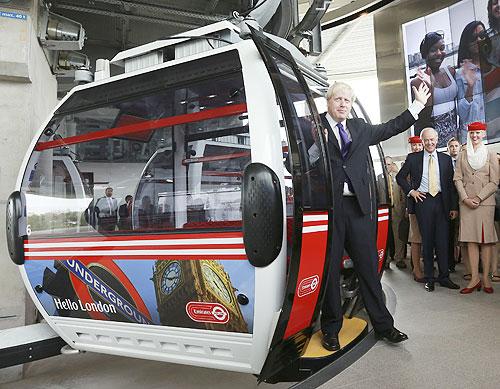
column 481, row 35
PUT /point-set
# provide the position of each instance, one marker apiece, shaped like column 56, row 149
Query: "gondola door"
column 309, row 208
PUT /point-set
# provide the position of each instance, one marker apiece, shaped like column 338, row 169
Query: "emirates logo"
column 308, row 285
column 207, row 312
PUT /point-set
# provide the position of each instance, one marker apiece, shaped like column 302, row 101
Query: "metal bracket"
column 27, row 344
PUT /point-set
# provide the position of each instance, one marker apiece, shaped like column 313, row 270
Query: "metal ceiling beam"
column 212, row 4
column 125, row 29
column 146, row 19
column 349, row 9
column 166, row 10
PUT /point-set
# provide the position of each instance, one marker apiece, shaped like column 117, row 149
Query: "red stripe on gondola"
column 216, row 173
column 180, row 257
column 312, row 261
column 193, row 246
column 213, row 158
column 208, row 235
column 382, row 232
column 315, row 223
column 148, row 125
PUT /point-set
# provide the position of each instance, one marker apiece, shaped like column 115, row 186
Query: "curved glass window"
column 166, row 157
column 307, row 138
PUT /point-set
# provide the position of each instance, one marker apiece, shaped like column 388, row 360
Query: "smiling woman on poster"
column 494, row 31
column 468, row 76
column 440, row 112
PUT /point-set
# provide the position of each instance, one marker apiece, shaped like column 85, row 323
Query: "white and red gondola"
column 220, row 258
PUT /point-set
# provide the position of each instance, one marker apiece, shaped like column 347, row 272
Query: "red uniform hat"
column 476, row 126
column 414, row 139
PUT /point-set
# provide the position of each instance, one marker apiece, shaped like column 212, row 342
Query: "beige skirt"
column 414, row 235
column 477, row 225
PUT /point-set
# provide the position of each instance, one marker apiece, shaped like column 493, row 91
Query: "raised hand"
column 421, row 94
column 423, row 76
column 469, row 72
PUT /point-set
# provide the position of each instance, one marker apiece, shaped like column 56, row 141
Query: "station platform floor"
column 454, row 342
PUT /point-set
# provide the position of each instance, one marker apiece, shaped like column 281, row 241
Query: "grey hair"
column 428, row 129
column 340, row 86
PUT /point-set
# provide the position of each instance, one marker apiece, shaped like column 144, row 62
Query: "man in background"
column 125, row 213
column 106, row 208
column 434, row 198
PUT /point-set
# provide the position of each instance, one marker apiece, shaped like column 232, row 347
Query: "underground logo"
column 207, row 312
column 102, row 289
column 308, row 285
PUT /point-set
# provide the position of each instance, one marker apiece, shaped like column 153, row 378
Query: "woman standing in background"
column 476, row 179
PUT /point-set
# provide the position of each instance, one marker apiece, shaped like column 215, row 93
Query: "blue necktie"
column 345, row 142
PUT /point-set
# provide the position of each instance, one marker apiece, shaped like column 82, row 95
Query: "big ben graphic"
column 179, row 282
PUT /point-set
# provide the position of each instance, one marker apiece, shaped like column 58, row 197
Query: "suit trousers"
column 357, row 233
column 452, row 241
column 399, row 248
column 433, row 223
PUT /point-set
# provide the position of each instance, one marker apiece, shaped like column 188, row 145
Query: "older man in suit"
column 434, row 199
column 354, row 229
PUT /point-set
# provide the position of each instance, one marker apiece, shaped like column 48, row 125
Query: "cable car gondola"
column 221, row 262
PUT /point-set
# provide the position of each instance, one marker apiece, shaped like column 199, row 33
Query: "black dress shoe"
column 447, row 283
column 393, row 335
column 330, row 342
column 429, row 286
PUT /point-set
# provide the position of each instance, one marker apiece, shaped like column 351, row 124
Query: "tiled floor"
column 454, row 343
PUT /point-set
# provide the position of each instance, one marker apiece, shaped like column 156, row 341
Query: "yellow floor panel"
column 351, row 329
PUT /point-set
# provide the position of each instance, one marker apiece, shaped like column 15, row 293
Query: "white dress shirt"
column 335, row 129
column 424, row 184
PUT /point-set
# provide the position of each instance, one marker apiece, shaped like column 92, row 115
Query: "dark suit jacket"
column 413, row 167
column 355, row 167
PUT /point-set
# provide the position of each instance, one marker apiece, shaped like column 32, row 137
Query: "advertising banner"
column 456, row 51
column 118, row 280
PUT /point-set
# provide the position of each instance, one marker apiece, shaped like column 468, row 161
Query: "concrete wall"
column 27, row 94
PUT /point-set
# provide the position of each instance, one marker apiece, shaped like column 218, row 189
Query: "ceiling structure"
column 115, row 25
column 120, row 24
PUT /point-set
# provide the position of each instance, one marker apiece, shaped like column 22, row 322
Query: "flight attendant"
column 476, row 179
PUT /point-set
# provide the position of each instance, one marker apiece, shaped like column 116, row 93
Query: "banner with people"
column 456, row 51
